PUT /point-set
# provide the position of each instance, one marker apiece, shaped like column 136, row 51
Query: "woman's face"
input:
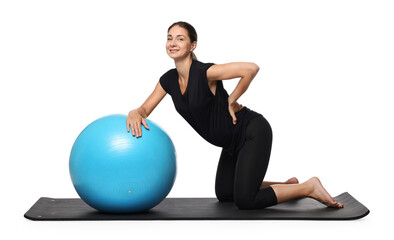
column 178, row 43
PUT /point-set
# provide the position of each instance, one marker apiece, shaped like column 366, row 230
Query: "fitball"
column 115, row 172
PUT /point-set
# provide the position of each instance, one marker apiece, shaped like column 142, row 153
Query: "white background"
column 325, row 85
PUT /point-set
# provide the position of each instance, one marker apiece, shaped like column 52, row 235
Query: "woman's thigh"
column 253, row 158
column 224, row 185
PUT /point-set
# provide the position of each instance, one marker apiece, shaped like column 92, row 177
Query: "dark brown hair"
column 191, row 31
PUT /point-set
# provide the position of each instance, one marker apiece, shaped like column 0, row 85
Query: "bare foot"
column 292, row 180
column 320, row 194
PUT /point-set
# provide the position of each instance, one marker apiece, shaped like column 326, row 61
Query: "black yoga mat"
column 200, row 209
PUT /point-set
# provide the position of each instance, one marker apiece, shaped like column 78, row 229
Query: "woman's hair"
column 191, row 32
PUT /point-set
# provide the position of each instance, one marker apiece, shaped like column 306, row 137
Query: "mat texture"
column 200, row 209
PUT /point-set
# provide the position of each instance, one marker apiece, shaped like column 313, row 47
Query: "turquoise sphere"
column 115, row 172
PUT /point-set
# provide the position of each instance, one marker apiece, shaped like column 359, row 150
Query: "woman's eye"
column 169, row 39
column 180, row 39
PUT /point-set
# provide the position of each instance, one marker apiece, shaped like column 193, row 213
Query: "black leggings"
column 239, row 176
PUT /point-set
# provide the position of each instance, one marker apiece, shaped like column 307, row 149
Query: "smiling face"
column 179, row 45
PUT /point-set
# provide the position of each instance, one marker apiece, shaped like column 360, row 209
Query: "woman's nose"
column 173, row 43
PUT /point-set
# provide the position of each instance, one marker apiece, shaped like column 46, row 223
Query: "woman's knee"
column 224, row 196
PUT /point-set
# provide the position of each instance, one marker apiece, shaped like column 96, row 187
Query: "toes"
column 292, row 180
column 337, row 205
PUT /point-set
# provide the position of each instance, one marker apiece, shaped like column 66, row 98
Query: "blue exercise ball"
column 115, row 172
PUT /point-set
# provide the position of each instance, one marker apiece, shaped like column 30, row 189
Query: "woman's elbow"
column 254, row 68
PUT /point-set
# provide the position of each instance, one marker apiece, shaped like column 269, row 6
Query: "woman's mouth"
column 174, row 50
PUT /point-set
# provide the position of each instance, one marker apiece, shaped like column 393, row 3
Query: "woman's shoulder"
column 169, row 74
column 202, row 66
column 167, row 80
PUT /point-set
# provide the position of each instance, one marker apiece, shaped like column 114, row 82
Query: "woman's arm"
column 245, row 71
column 137, row 116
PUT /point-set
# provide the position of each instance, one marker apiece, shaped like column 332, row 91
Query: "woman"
column 197, row 92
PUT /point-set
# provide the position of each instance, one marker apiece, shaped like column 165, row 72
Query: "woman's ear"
column 194, row 45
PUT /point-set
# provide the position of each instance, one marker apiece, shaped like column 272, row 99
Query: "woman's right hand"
column 134, row 121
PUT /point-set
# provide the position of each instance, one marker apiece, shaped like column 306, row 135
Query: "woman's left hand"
column 234, row 107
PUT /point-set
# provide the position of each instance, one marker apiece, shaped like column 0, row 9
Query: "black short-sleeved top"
column 206, row 112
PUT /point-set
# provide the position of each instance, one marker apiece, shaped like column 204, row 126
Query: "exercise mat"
column 51, row 209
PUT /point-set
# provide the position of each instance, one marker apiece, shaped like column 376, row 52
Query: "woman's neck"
column 183, row 67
